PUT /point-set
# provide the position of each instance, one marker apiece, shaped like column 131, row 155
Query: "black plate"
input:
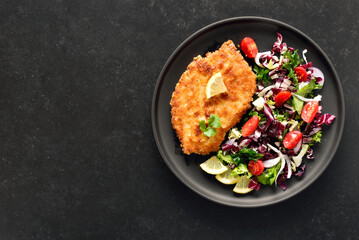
column 263, row 31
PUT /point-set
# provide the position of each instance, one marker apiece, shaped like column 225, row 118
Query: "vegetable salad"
column 285, row 121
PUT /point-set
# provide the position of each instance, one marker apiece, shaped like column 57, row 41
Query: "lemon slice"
column 242, row 185
column 215, row 85
column 226, row 177
column 213, row 166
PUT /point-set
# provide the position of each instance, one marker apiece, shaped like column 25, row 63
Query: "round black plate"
column 210, row 38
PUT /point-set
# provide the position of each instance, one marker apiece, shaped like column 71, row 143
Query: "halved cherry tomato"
column 250, row 126
column 291, row 139
column 309, row 111
column 256, row 168
column 281, row 97
column 249, row 47
column 301, row 74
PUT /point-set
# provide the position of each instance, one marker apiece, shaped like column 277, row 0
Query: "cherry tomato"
column 250, row 126
column 301, row 74
column 256, row 168
column 291, row 139
column 281, row 97
column 249, row 47
column 309, row 111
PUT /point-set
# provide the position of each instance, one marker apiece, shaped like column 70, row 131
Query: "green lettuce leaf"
column 240, row 170
column 298, row 104
column 269, row 175
column 224, row 158
column 244, row 155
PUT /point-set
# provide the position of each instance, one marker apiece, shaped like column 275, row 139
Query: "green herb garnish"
column 213, row 122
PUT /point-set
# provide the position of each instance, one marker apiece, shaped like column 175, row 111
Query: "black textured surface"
column 77, row 154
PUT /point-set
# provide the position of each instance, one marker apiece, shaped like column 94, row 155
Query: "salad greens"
column 244, row 155
column 241, row 169
column 269, row 175
column 294, row 61
column 224, row 158
column 317, row 137
column 262, row 75
column 277, row 72
column 304, row 91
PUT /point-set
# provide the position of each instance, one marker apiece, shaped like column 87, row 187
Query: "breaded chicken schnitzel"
column 190, row 104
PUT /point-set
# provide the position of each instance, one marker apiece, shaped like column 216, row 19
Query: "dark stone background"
column 77, row 154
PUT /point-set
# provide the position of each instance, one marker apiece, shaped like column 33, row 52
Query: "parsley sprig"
column 213, row 122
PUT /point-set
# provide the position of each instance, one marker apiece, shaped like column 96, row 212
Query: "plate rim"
column 193, row 37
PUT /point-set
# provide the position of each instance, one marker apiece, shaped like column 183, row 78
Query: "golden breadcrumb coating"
column 190, row 105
